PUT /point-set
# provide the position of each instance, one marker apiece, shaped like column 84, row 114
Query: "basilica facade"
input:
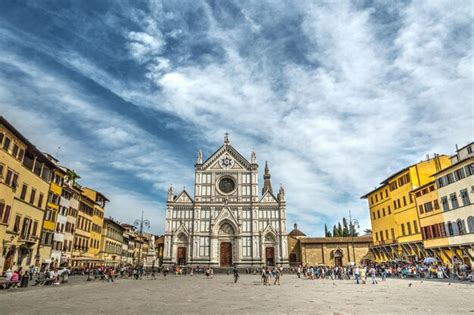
column 227, row 222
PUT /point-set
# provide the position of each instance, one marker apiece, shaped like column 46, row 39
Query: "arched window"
column 450, row 229
column 461, row 228
column 470, row 224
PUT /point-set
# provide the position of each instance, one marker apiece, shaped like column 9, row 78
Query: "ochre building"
column 327, row 251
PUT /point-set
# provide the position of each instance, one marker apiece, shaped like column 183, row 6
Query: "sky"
column 335, row 95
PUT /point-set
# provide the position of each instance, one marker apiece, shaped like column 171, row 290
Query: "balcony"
column 29, row 239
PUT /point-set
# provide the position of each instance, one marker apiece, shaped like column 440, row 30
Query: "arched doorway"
column 181, row 249
column 337, row 254
column 270, row 243
column 9, row 258
column 226, row 238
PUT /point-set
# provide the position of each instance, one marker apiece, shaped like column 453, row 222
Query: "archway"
column 181, row 249
column 226, row 236
column 337, row 255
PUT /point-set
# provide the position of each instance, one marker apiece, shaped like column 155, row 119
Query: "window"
column 450, row 178
column 440, row 182
column 444, row 202
column 404, row 201
column 21, row 154
column 389, row 211
column 376, row 199
column 428, row 207
column 454, row 200
column 6, row 144
column 415, row 226
column 1, row 138
column 403, row 229
column 421, row 209
column 394, row 204
column 386, row 193
column 459, row 174
column 371, row 200
column 23, row 192
column 436, row 204
column 469, row 150
column 373, row 215
column 378, row 214
column 461, row 228
column 204, row 246
column 40, row 200
column 409, row 228
column 6, row 215
column 16, row 226
column 15, row 150
column 465, row 197
column 393, row 233
column 246, row 246
column 381, row 236
column 469, row 169
column 35, row 228
column 32, row 196
column 450, row 229
column 398, row 203
column 411, row 198
column 470, row 224
column 377, row 236
column 386, row 234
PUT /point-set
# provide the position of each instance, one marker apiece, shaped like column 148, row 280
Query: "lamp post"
column 140, row 224
column 352, row 226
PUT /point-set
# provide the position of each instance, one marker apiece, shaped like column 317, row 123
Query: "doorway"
column 9, row 259
column 270, row 256
column 181, row 256
column 338, row 261
column 226, row 254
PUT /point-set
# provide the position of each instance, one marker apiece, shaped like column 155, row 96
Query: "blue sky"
column 335, row 95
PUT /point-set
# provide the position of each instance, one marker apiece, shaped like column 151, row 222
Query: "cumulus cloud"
column 335, row 95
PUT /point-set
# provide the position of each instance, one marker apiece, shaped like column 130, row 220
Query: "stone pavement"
column 196, row 294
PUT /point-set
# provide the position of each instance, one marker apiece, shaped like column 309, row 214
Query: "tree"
column 368, row 231
column 334, row 231
column 353, row 230
column 345, row 228
column 326, row 231
column 339, row 229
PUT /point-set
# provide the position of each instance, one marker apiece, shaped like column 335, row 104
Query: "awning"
column 87, row 259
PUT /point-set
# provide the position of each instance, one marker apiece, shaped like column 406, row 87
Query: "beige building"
column 25, row 175
column 455, row 186
column 112, row 242
column 328, row 251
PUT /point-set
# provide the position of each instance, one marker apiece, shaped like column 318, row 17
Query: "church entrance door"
column 226, row 254
column 270, row 256
column 338, row 261
column 181, row 256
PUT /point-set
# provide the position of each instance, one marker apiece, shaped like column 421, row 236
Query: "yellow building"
column 393, row 210
column 51, row 213
column 112, row 243
column 80, row 254
column 97, row 220
column 25, row 174
column 431, row 222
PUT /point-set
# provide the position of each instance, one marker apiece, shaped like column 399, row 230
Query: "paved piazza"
column 186, row 294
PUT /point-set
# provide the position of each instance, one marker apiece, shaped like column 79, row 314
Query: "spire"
column 267, row 184
column 226, row 138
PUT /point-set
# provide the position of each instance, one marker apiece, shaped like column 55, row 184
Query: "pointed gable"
column 213, row 161
column 184, row 197
column 268, row 197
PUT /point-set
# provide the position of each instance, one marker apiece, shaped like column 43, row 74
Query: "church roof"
column 229, row 148
column 296, row 232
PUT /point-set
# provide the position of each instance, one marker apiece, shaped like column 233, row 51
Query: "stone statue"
column 199, row 160
column 253, row 158
column 170, row 193
column 281, row 193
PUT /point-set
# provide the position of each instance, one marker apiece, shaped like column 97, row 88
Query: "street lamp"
column 352, row 225
column 140, row 223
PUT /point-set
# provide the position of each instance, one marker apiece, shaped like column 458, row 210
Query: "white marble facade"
column 226, row 223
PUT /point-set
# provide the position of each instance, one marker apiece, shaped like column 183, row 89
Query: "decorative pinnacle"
column 226, row 138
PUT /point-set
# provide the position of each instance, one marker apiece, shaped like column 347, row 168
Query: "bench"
column 4, row 284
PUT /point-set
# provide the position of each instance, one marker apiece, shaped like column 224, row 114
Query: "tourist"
column 357, row 274
column 263, row 276
column 298, row 272
column 277, row 277
column 363, row 275
column 8, row 275
column 372, row 273
column 25, row 278
column 236, row 274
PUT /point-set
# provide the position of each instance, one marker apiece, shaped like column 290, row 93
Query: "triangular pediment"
column 268, row 197
column 238, row 161
column 184, row 197
column 182, row 229
column 269, row 229
column 226, row 214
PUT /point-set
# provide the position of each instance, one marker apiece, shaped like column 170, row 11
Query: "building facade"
column 394, row 212
column 328, row 251
column 112, row 243
column 97, row 219
column 455, row 186
column 25, row 174
column 226, row 222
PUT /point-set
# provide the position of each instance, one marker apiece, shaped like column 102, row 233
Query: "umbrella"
column 429, row 260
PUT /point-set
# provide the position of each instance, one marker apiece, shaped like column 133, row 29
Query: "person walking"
column 236, row 274
column 373, row 274
column 277, row 276
column 357, row 274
